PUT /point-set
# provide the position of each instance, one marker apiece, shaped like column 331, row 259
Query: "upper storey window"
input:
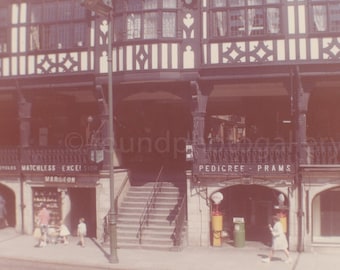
column 325, row 15
column 241, row 18
column 145, row 19
column 4, row 22
column 56, row 24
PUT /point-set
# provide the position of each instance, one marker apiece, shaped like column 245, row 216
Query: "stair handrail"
column 179, row 223
column 144, row 218
column 120, row 191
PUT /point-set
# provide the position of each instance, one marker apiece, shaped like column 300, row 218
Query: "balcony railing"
column 244, row 153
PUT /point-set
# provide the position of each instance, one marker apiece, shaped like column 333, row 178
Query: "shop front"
column 68, row 198
column 66, row 185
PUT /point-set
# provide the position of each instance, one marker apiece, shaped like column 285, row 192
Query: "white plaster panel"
column 165, row 63
column 291, row 21
column 292, row 49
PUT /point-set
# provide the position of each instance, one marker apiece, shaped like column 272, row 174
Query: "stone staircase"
column 158, row 232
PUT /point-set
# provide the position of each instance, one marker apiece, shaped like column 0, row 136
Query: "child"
column 81, row 232
column 64, row 232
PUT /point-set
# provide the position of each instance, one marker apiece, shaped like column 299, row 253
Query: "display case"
column 52, row 200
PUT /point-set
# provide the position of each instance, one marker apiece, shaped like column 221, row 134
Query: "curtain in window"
column 3, row 31
column 247, row 17
column 320, row 17
column 34, row 38
column 150, row 25
column 150, row 4
column 34, row 29
column 150, row 19
column 273, row 20
column 133, row 26
column 169, row 3
column 251, row 12
column 220, row 19
column 220, row 23
column 169, row 24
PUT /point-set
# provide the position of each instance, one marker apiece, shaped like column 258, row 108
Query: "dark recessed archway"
column 9, row 196
column 256, row 204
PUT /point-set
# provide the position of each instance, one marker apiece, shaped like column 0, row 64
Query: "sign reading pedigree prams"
column 222, row 169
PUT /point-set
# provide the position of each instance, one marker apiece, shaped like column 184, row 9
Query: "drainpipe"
column 22, row 204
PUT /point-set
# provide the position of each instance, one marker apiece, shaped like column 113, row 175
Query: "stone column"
column 24, row 111
column 300, row 98
column 198, row 210
column 199, row 102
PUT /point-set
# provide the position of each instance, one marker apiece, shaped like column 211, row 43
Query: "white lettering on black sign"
column 60, row 179
column 240, row 168
column 38, row 168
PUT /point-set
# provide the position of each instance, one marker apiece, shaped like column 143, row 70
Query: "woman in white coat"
column 279, row 240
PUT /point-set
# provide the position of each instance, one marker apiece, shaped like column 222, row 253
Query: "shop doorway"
column 326, row 216
column 255, row 204
column 7, row 196
column 83, row 205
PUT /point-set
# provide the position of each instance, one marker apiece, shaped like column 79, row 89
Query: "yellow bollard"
column 217, row 224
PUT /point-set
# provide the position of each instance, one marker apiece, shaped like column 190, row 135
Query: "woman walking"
column 279, row 240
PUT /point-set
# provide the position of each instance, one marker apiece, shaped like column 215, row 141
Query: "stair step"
column 158, row 233
column 146, row 246
column 159, row 204
column 149, row 229
column 173, row 200
column 138, row 211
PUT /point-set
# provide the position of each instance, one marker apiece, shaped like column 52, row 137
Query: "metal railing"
column 150, row 205
column 11, row 158
column 244, row 153
column 120, row 191
column 179, row 223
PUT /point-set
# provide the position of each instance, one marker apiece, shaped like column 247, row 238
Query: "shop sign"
column 60, row 179
column 8, row 168
column 244, row 168
column 59, row 168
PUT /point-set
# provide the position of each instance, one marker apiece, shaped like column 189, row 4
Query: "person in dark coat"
column 3, row 213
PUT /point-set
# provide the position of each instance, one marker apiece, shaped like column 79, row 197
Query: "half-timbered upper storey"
column 241, row 53
column 58, row 36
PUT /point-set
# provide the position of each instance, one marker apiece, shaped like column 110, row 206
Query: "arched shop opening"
column 326, row 216
column 256, row 205
column 9, row 197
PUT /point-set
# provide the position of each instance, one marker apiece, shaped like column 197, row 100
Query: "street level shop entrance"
column 256, row 205
column 68, row 204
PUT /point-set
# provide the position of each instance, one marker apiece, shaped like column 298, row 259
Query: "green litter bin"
column 239, row 232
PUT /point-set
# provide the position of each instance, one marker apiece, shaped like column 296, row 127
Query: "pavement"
column 16, row 248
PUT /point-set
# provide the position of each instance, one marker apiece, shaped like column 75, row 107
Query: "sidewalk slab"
column 15, row 246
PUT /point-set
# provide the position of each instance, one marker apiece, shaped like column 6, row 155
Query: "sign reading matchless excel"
column 243, row 168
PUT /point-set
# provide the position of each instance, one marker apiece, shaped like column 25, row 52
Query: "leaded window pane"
column 150, row 25
column 56, row 25
column 169, row 24
column 237, row 18
column 3, row 30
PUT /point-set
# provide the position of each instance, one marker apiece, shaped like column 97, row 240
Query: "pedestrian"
column 44, row 220
column 37, row 230
column 279, row 240
column 64, row 232
column 81, row 232
column 3, row 213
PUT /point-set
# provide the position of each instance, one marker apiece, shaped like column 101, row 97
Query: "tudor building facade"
column 240, row 94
